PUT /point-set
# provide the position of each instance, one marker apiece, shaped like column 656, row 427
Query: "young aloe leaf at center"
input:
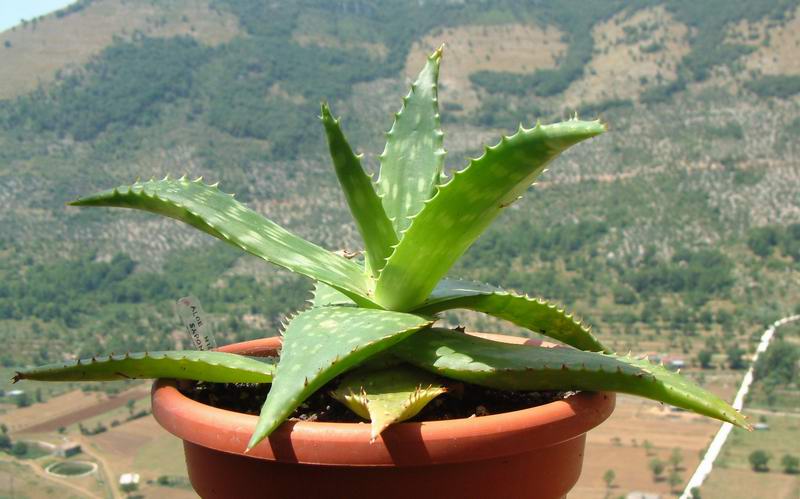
column 388, row 395
column 321, row 343
column 365, row 205
column 412, row 162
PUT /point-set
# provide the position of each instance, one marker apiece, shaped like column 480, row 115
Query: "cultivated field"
column 18, row 420
column 619, row 445
column 732, row 472
column 139, row 446
column 142, row 446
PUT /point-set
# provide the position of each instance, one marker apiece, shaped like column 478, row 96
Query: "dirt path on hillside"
column 103, row 465
column 110, row 404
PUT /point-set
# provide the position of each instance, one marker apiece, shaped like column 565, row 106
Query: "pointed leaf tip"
column 365, row 204
column 387, row 395
column 411, row 167
column 325, row 111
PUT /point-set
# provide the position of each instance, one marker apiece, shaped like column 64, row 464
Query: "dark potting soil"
column 462, row 400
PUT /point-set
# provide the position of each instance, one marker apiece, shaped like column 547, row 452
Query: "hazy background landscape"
column 676, row 234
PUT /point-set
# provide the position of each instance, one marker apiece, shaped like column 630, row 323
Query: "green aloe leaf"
column 519, row 367
column 387, row 396
column 217, row 213
column 412, row 162
column 325, row 295
column 365, row 205
column 533, row 314
column 462, row 209
column 216, row 367
column 321, row 343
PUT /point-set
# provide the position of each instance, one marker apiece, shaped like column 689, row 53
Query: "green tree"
column 129, row 487
column 608, row 478
column 735, row 360
column 779, row 363
column 781, row 86
column 674, row 479
column 762, row 239
column 759, row 460
column 725, row 319
column 648, row 447
column 5, row 441
column 675, row 459
column 623, row 295
column 791, row 464
column 23, row 400
column 657, row 467
column 19, row 449
column 704, row 358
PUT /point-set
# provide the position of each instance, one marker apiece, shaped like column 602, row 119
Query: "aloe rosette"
column 372, row 324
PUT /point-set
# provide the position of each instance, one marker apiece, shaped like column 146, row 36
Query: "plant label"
column 196, row 323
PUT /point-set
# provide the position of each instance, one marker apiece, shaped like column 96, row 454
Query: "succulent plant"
column 373, row 322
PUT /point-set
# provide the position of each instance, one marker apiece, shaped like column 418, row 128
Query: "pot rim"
column 402, row 444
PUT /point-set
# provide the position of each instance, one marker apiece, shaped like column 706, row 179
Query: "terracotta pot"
column 535, row 452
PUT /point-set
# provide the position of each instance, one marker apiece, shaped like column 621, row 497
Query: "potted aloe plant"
column 369, row 338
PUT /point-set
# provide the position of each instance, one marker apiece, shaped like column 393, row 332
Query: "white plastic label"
column 198, row 327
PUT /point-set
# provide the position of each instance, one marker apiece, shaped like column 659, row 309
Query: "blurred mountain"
column 700, row 166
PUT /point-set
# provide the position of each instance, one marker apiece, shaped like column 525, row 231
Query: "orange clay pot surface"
column 532, row 453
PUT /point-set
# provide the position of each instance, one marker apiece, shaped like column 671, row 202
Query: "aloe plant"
column 372, row 324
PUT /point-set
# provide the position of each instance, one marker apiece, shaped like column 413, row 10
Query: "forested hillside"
column 684, row 219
